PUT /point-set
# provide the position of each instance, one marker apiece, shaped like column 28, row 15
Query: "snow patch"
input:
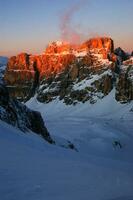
column 87, row 82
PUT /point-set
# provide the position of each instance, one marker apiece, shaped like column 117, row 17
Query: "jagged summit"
column 58, row 55
column 100, row 43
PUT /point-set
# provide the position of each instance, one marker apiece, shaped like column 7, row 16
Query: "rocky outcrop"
column 19, row 75
column 18, row 115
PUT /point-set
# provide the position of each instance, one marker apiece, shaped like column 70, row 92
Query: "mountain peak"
column 92, row 56
column 104, row 44
column 100, row 42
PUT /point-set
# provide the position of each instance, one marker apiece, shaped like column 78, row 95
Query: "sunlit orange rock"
column 19, row 62
column 58, row 47
column 100, row 43
column 58, row 56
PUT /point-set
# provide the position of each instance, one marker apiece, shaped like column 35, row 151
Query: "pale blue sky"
column 29, row 25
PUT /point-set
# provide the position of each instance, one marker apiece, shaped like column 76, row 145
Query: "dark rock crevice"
column 35, row 83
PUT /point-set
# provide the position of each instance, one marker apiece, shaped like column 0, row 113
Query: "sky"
column 29, row 25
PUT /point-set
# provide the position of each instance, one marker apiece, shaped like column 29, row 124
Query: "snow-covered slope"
column 18, row 115
column 31, row 169
column 92, row 128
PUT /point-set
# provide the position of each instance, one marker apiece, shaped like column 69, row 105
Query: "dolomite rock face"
column 73, row 73
column 58, row 57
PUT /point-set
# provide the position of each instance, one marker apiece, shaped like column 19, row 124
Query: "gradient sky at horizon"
column 29, row 25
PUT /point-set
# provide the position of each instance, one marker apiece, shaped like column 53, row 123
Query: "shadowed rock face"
column 121, row 54
column 18, row 115
column 124, row 87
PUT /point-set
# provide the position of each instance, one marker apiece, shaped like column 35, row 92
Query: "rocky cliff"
column 17, row 114
column 73, row 73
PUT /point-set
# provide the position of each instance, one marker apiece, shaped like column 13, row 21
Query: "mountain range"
column 73, row 73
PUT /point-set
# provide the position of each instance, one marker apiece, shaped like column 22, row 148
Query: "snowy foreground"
column 32, row 169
